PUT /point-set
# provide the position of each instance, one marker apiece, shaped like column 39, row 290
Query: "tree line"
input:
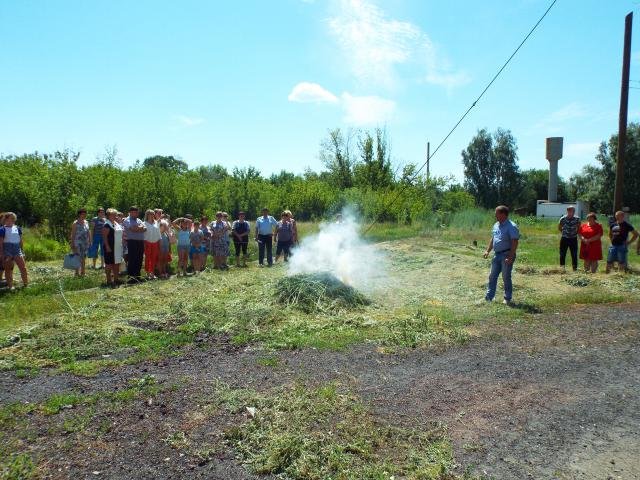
column 492, row 174
column 48, row 189
column 358, row 171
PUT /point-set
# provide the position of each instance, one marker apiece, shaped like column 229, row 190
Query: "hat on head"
column 571, row 207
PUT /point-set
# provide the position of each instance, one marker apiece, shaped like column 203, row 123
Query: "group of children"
column 126, row 240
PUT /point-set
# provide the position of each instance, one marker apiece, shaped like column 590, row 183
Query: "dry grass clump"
column 318, row 292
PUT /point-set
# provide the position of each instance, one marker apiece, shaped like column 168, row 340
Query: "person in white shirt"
column 151, row 244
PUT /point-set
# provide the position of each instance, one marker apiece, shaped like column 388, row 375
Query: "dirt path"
column 555, row 398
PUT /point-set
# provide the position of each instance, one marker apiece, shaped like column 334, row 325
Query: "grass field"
column 431, row 296
column 73, row 324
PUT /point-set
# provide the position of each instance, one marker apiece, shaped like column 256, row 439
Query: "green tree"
column 335, row 155
column 166, row 163
column 212, row 172
column 535, row 186
column 596, row 184
column 491, row 168
column 373, row 170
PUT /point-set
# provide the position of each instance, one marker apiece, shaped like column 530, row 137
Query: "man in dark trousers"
column 568, row 227
column 264, row 236
column 134, row 229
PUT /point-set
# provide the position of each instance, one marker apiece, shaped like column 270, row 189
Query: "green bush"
column 39, row 248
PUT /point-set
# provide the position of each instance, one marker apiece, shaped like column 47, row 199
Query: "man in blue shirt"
column 504, row 242
column 264, row 236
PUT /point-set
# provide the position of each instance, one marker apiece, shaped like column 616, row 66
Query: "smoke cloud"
column 338, row 248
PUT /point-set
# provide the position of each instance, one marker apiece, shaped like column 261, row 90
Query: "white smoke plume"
column 338, row 248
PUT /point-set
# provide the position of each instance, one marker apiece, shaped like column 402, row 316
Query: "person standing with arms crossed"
column 504, row 242
column 568, row 227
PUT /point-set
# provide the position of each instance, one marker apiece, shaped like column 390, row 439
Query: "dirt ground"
column 554, row 398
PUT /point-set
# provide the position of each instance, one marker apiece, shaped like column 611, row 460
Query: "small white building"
column 551, row 208
column 545, row 209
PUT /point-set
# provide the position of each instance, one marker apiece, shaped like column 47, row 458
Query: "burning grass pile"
column 318, row 292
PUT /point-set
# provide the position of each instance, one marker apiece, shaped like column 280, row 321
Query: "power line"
column 414, row 176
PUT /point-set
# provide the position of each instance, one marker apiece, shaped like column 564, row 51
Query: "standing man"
column 240, row 230
column 568, row 227
column 264, row 236
column 504, row 243
column 618, row 233
column 134, row 229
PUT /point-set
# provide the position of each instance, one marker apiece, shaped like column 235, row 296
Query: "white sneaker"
column 507, row 302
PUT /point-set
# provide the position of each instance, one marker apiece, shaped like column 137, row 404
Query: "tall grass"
column 39, row 247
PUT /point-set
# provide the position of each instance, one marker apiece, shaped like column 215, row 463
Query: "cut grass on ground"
column 431, row 294
column 304, row 432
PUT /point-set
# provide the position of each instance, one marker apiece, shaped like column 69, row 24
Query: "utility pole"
column 622, row 123
column 428, row 157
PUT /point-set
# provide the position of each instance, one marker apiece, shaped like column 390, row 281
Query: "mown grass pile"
column 318, row 292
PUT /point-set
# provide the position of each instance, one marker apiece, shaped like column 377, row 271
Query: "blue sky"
column 260, row 82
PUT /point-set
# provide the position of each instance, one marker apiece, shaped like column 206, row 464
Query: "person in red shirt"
column 590, row 234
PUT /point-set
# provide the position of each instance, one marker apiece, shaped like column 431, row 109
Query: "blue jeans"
column 96, row 246
column 499, row 265
column 618, row 253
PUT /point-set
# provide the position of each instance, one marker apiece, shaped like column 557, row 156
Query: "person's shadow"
column 525, row 307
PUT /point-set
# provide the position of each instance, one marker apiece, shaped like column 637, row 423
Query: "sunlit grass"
column 431, row 293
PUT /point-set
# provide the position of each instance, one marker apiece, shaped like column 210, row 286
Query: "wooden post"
column 622, row 123
column 428, row 156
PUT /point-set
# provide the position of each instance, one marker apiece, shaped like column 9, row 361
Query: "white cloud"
column 186, row 121
column 367, row 110
column 375, row 45
column 556, row 120
column 307, row 92
column 358, row 110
